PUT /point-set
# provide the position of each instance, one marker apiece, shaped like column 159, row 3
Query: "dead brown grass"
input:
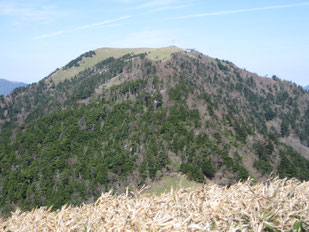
column 276, row 205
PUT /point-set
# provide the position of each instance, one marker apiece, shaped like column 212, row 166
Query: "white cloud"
column 156, row 3
column 164, row 8
column 145, row 38
column 24, row 12
column 53, row 34
column 108, row 22
column 217, row 13
column 126, row 1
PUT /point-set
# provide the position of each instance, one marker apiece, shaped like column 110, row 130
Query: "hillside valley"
column 113, row 118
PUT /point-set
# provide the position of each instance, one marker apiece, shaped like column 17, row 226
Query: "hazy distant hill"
column 7, row 86
column 113, row 118
column 306, row 87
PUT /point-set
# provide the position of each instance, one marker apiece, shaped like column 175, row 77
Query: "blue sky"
column 265, row 37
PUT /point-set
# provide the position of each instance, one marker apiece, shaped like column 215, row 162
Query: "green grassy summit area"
column 101, row 54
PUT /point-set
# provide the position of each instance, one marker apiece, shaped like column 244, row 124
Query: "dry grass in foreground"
column 276, row 205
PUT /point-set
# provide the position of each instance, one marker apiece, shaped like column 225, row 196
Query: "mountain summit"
column 113, row 118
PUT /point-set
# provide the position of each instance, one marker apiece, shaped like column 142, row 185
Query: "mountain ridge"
column 130, row 120
column 91, row 58
column 7, row 86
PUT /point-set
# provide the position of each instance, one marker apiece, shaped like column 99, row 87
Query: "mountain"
column 113, row 118
column 306, row 87
column 7, row 86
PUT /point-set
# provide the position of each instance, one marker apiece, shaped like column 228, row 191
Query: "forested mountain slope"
column 132, row 118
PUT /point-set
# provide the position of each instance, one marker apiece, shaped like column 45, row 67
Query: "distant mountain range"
column 6, row 86
column 306, row 87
